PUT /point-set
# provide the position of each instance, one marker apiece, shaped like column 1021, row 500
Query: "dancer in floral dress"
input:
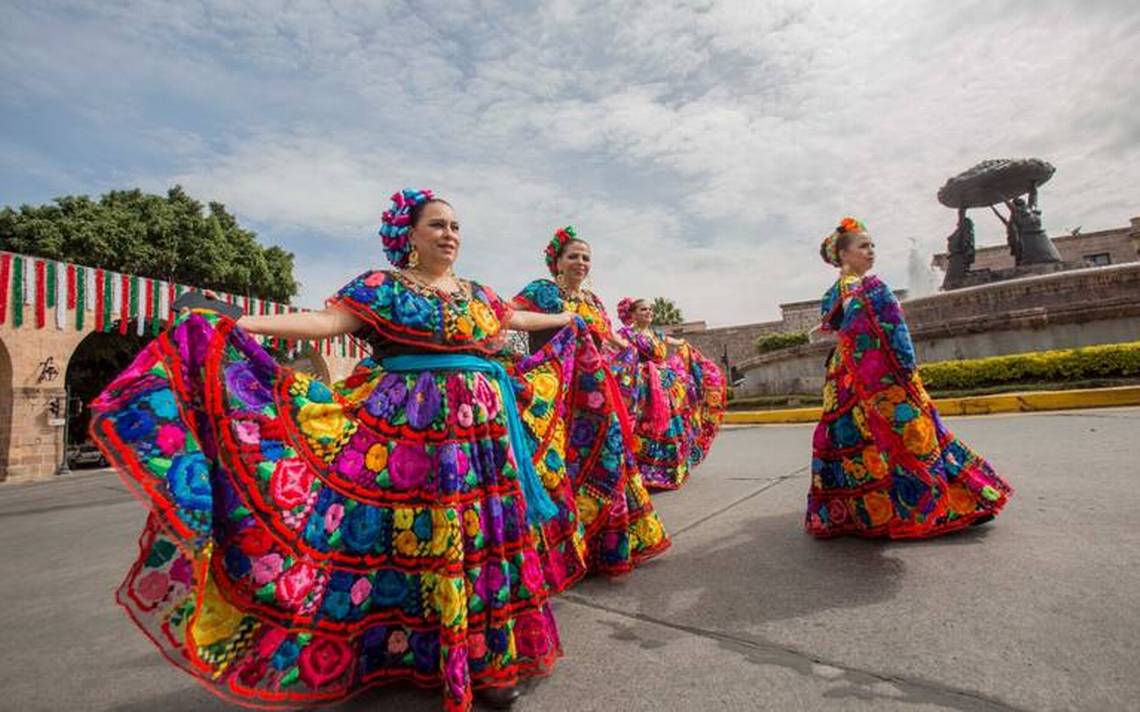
column 676, row 401
column 308, row 542
column 883, row 462
column 630, row 532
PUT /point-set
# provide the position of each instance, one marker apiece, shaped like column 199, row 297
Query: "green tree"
column 171, row 237
column 666, row 313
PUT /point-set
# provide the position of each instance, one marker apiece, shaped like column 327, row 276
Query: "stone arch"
column 93, row 363
column 6, row 396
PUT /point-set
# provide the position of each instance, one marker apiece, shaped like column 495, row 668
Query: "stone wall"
column 1064, row 310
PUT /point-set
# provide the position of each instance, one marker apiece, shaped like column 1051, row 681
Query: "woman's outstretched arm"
column 323, row 324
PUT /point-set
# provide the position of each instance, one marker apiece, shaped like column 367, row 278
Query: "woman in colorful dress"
column 883, row 462
column 630, row 532
column 306, row 543
column 676, row 402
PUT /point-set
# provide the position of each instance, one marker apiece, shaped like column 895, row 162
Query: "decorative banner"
column 5, row 273
column 49, row 269
column 126, row 300
column 41, row 317
column 100, row 300
column 138, row 305
column 18, row 278
column 71, row 296
column 29, row 278
column 58, row 273
column 90, row 273
column 81, row 295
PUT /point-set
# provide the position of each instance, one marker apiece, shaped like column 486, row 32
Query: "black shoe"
column 498, row 698
column 982, row 520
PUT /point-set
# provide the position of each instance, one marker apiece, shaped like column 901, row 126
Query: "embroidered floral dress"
column 706, row 399
column 307, row 542
column 630, row 531
column 658, row 397
column 883, row 462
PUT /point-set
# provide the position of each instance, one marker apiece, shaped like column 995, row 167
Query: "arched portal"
column 98, row 358
column 313, row 363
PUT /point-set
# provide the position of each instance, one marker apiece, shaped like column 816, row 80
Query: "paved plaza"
column 1038, row 611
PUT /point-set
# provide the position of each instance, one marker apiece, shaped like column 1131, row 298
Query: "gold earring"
column 413, row 258
column 560, row 280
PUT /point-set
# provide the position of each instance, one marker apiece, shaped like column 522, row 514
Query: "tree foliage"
column 171, row 237
column 666, row 313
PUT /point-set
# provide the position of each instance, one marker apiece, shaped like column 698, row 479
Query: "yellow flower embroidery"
column 403, row 517
column 377, row 457
column 449, row 600
column 587, row 508
column 918, row 436
column 879, row 507
column 545, row 386
column 484, row 318
column 323, row 420
column 216, row 619
column 471, row 522
column 464, row 326
column 407, row 543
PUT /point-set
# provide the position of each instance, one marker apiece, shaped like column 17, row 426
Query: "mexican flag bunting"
column 162, row 304
column 100, row 298
column 57, row 273
column 148, row 306
column 80, row 274
column 50, row 283
column 137, row 304
column 71, row 287
column 114, row 298
column 39, row 302
column 5, row 275
column 128, row 302
column 90, row 273
column 18, row 278
column 29, row 279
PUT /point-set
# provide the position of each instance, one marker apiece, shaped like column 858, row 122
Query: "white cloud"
column 703, row 147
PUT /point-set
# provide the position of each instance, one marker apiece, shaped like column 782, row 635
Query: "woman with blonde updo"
column 883, row 462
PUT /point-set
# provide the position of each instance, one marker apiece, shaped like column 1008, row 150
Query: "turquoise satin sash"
column 539, row 507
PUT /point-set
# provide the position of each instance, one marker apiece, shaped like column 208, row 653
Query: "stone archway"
column 5, row 408
column 94, row 362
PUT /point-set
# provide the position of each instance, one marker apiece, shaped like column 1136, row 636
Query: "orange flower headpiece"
column 829, row 249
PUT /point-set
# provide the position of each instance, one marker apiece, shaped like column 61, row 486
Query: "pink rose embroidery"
column 464, row 415
column 408, row 466
column 170, row 439
column 333, row 516
column 295, row 584
column 247, row 432
column 290, row 483
column 266, row 568
column 322, row 661
column 360, row 592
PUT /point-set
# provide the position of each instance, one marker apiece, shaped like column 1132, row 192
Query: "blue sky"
column 703, row 148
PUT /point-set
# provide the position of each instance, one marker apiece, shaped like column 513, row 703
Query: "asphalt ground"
column 1038, row 610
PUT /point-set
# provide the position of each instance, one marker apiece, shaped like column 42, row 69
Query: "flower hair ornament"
column 625, row 310
column 557, row 243
column 829, row 249
column 396, row 224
